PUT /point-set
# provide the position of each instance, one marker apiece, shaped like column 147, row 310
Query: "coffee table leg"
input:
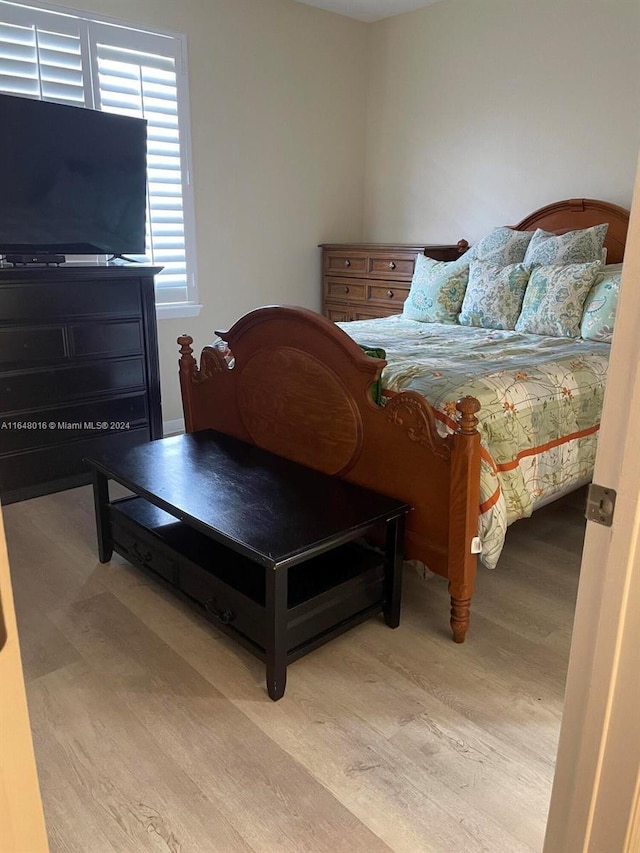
column 276, row 605
column 393, row 571
column 103, row 525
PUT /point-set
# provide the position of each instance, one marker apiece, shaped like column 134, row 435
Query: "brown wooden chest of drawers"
column 364, row 280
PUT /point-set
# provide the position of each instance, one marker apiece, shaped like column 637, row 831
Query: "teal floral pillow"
column 573, row 247
column 601, row 306
column 494, row 295
column 503, row 246
column 437, row 290
column 554, row 299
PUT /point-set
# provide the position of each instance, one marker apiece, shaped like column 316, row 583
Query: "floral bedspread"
column 541, row 401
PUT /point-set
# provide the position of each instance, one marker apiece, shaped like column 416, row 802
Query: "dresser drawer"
column 46, row 469
column 31, row 345
column 396, row 266
column 69, row 299
column 46, row 427
column 336, row 313
column 388, row 294
column 138, row 545
column 345, row 263
column 122, row 337
column 223, row 603
column 32, row 390
column 373, row 311
column 345, row 289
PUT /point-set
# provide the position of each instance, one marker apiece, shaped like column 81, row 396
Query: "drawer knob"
column 346, row 289
column 224, row 616
column 390, row 294
column 392, row 265
column 347, row 262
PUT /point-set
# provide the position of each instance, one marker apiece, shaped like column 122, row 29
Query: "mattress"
column 541, row 400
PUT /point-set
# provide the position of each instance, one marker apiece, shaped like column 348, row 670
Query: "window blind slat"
column 53, row 91
column 163, row 149
column 119, row 85
column 166, row 214
column 109, row 52
column 163, row 244
column 167, row 172
column 174, row 231
column 160, row 114
column 17, row 52
column 151, row 76
column 159, row 120
column 111, row 100
column 162, row 134
column 59, row 42
column 161, row 106
column 130, row 81
column 20, row 86
column 14, row 35
column 20, row 67
column 59, row 74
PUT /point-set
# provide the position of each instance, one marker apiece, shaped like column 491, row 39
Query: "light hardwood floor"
column 153, row 732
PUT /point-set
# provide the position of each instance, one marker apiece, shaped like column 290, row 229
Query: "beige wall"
column 277, row 92
column 481, row 111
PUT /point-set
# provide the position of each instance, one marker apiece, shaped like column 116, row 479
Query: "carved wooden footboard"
column 301, row 387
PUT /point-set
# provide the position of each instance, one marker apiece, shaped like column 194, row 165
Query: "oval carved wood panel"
column 311, row 420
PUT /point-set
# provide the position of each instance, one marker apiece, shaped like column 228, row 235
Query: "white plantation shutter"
column 138, row 83
column 42, row 58
column 65, row 58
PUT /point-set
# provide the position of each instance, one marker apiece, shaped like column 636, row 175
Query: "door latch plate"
column 601, row 502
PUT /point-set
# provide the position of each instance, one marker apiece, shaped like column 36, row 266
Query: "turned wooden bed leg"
column 460, row 617
column 464, row 502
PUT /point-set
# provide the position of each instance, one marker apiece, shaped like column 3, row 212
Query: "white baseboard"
column 173, row 427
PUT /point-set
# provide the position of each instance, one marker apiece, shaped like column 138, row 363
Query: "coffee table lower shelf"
column 326, row 595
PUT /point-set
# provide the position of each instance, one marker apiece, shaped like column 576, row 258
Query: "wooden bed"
column 301, row 388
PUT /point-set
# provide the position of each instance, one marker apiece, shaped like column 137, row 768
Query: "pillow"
column 611, row 268
column 502, row 246
column 554, row 299
column 437, row 290
column 573, row 247
column 494, row 295
column 601, row 305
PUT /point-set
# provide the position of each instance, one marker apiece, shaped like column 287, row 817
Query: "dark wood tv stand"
column 78, row 371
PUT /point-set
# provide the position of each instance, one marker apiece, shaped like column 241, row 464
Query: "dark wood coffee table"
column 266, row 546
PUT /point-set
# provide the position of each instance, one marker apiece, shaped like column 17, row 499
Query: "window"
column 60, row 56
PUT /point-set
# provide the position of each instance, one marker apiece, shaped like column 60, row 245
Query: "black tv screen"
column 72, row 180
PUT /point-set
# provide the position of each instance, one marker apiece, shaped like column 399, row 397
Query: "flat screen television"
column 72, row 180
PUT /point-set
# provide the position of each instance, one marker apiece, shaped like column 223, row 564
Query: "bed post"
column 187, row 371
column 464, row 501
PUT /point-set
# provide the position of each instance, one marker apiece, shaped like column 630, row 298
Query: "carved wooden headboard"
column 574, row 213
